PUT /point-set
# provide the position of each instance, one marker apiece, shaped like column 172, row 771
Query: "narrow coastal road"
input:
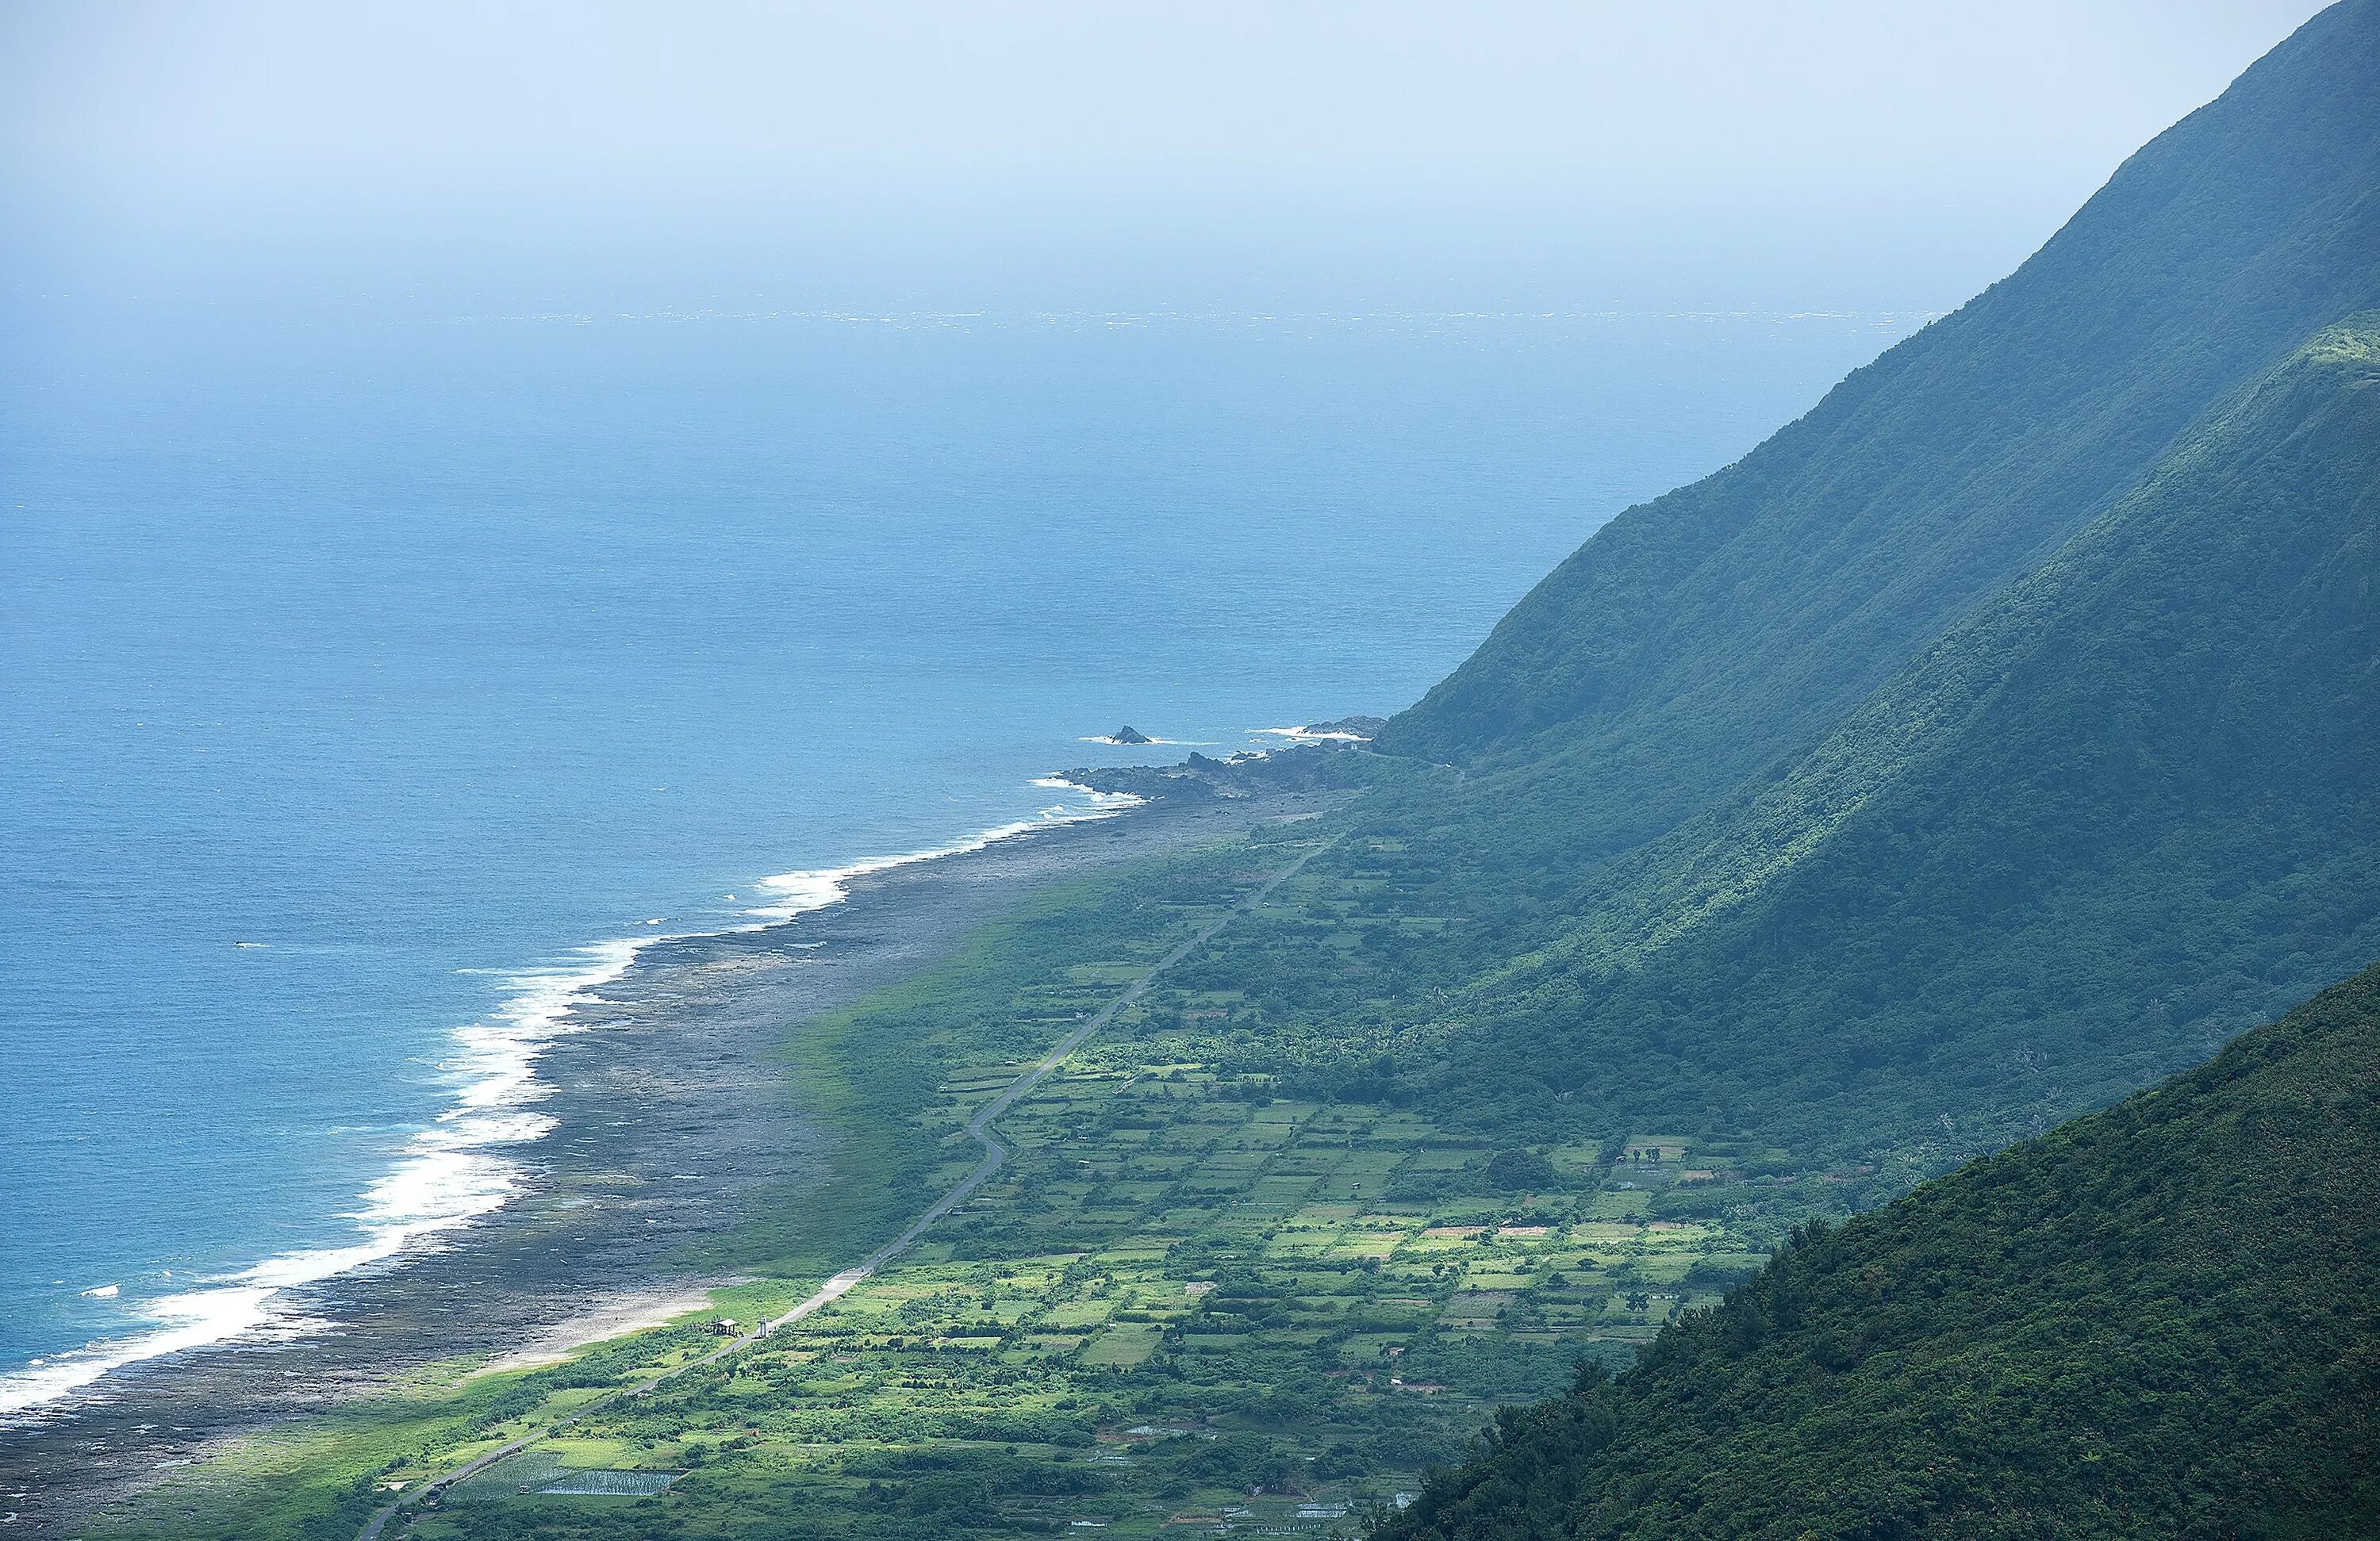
column 978, row 1129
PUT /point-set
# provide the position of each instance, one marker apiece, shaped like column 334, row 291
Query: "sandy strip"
column 632, row 1311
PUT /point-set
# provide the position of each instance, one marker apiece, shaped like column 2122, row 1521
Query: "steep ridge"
column 1694, row 639
column 2126, row 808
column 1999, row 738
column 2162, row 1321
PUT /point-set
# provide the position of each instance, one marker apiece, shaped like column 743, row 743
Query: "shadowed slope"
column 2160, row 1320
column 2128, row 805
column 1696, row 638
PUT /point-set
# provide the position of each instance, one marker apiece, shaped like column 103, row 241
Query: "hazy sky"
column 1950, row 132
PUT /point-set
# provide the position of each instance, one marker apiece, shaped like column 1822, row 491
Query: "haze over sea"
column 375, row 677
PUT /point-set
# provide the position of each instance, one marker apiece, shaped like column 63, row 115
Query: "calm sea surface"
column 363, row 681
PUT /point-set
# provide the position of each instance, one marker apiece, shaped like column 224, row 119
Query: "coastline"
column 477, row 1154
column 670, row 1115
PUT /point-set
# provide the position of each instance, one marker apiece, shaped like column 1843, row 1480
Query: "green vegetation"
column 1999, row 738
column 2121, row 812
column 1989, row 743
column 2160, row 1320
column 1187, row 1298
column 1697, row 637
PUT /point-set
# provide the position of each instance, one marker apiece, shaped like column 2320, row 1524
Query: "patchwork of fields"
column 1187, row 1304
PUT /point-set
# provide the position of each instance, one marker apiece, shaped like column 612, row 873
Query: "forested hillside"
column 2128, row 807
column 1694, row 639
column 2160, row 1320
column 1991, row 742
column 1999, row 738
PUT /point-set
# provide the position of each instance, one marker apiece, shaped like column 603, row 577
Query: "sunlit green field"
column 1186, row 1302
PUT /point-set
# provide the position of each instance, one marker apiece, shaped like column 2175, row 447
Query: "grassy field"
column 1188, row 1304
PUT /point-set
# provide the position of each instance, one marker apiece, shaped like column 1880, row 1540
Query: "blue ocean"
column 375, row 684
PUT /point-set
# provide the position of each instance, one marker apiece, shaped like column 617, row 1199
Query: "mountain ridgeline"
column 1696, row 638
column 2160, row 1320
column 1999, row 738
column 2094, row 829
column 1994, row 740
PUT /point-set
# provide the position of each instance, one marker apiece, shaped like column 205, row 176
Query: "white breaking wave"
column 447, row 1176
column 458, row 1169
column 799, row 892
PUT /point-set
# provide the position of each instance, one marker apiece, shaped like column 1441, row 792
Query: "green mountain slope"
column 1694, row 639
column 2160, row 1320
column 2002, row 737
column 2127, row 807
column 1989, row 744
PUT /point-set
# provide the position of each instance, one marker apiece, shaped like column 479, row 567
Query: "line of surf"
column 800, row 893
column 979, row 1128
column 466, row 1163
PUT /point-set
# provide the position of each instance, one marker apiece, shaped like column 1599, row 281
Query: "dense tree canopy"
column 2160, row 1320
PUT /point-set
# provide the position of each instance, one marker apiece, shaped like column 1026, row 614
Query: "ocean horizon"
column 383, row 686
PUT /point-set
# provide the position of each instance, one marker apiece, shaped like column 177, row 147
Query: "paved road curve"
column 978, row 1129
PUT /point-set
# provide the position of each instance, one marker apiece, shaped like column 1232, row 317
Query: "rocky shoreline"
column 1308, row 769
column 671, row 1115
